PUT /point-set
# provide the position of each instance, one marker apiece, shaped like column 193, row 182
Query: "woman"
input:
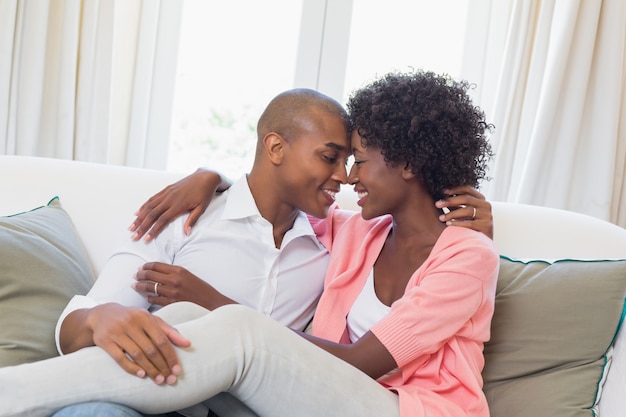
column 407, row 302
column 419, row 293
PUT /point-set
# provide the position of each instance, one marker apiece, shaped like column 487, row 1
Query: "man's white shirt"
column 232, row 248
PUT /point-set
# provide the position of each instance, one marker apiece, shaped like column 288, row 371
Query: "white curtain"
column 551, row 77
column 89, row 80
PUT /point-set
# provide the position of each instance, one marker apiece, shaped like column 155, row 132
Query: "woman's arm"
column 368, row 354
column 454, row 293
column 192, row 193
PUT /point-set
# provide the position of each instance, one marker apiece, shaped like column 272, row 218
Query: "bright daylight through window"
column 235, row 56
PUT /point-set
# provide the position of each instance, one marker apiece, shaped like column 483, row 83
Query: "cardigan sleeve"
column 451, row 294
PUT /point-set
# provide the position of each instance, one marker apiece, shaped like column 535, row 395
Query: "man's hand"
column 190, row 194
column 163, row 284
column 468, row 208
column 141, row 343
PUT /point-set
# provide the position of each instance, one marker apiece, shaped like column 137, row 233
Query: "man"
column 254, row 245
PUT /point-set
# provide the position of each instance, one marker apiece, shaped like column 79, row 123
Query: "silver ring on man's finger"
column 474, row 215
column 156, row 284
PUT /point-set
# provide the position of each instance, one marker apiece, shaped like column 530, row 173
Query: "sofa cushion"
column 42, row 265
column 552, row 332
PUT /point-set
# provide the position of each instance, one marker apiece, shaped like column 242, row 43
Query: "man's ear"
column 274, row 147
column 407, row 172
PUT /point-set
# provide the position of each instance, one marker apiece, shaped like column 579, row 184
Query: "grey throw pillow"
column 42, row 265
column 552, row 328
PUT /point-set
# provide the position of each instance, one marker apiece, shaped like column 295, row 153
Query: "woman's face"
column 380, row 186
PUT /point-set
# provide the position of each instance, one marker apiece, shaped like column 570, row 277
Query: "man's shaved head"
column 303, row 143
column 293, row 111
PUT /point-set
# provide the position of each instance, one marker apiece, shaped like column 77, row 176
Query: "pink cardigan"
column 436, row 331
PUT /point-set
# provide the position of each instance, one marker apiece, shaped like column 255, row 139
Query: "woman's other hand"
column 163, row 284
column 190, row 194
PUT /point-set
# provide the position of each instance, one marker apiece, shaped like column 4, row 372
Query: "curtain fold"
column 35, row 107
column 558, row 101
column 153, row 87
column 93, row 86
column 69, row 75
column 8, row 11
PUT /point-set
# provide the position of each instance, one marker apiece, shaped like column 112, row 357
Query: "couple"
column 407, row 301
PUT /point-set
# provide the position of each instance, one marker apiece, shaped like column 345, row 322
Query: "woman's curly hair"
column 427, row 121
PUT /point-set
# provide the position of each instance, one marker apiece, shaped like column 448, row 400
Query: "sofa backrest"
column 100, row 199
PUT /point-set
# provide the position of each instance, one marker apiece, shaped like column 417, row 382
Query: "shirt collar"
column 240, row 204
column 302, row 227
column 239, row 201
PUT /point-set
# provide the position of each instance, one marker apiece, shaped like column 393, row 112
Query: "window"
column 404, row 35
column 234, row 57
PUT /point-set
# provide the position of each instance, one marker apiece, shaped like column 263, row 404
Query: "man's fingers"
column 465, row 190
column 174, row 338
column 117, row 353
column 152, row 351
column 466, row 207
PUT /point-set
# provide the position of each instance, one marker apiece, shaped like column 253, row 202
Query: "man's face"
column 315, row 164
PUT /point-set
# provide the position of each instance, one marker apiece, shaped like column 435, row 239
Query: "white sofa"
column 101, row 201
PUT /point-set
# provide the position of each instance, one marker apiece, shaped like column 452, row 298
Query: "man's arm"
column 114, row 317
column 468, row 208
column 141, row 343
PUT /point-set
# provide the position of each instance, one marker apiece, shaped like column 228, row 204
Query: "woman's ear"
column 407, row 172
column 274, row 147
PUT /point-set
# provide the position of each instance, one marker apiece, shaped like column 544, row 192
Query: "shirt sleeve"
column 118, row 274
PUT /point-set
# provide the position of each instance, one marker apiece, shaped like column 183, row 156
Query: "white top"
column 231, row 247
column 366, row 311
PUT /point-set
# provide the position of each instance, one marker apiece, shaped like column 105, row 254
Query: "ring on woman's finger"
column 156, row 285
column 474, row 214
